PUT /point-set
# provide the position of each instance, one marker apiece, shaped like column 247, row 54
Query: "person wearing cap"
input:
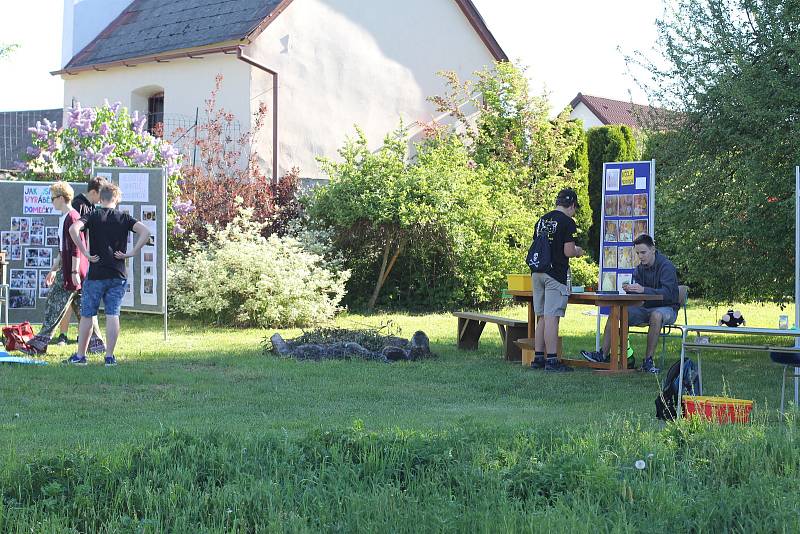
column 550, row 291
column 655, row 275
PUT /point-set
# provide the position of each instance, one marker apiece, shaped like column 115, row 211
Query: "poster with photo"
column 609, row 282
column 20, row 224
column 612, row 179
column 612, row 206
column 127, row 298
column 627, row 177
column 611, row 232
column 625, row 260
column 43, row 289
column 51, row 236
column 626, row 231
column 25, row 237
column 9, row 239
column 38, row 257
column 149, row 288
column 21, row 299
column 37, row 224
column 610, row 257
column 16, row 252
column 639, row 228
column 640, row 205
column 37, row 239
column 128, row 208
column 22, row 279
column 626, row 205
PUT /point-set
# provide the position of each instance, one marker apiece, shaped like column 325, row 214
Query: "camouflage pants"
column 59, row 302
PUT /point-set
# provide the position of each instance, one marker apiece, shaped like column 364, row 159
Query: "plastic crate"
column 719, row 409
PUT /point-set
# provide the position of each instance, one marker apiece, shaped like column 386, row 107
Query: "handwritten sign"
column 36, row 200
column 627, row 177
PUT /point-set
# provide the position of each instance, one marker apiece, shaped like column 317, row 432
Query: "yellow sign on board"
column 627, row 177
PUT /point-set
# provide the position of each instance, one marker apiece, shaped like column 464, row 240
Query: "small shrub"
column 585, row 272
column 239, row 277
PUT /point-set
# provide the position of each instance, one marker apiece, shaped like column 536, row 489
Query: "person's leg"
column 96, row 344
column 538, row 289
column 56, row 306
column 551, row 335
column 654, row 330
column 64, row 326
column 113, row 302
column 91, row 294
column 539, row 341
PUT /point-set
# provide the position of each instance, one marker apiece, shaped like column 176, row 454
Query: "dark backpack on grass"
column 667, row 402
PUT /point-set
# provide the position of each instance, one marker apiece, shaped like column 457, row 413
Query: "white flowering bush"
column 238, row 277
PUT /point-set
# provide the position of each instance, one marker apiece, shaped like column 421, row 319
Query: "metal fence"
column 14, row 135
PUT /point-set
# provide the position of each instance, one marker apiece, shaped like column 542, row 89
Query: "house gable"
column 147, row 29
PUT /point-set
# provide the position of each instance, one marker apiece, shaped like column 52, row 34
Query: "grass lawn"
column 465, row 441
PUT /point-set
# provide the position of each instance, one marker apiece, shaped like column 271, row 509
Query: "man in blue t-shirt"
column 107, row 279
column 550, row 291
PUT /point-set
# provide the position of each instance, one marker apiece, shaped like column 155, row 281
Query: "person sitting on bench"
column 655, row 275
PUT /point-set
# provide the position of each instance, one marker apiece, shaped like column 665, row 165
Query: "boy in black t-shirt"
column 108, row 238
column 550, row 291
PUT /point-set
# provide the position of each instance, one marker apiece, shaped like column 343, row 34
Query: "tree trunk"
column 386, row 269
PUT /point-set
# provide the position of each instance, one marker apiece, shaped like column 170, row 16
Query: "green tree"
column 6, row 50
column 731, row 68
column 605, row 144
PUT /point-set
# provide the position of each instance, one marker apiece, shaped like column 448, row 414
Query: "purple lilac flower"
column 119, row 162
column 20, row 165
column 183, row 208
column 33, row 151
column 87, row 171
column 104, row 129
column 145, row 157
column 178, row 229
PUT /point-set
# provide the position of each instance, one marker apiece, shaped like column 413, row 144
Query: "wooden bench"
column 470, row 328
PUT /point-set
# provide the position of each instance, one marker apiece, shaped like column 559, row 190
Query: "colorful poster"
column 628, row 194
column 36, row 200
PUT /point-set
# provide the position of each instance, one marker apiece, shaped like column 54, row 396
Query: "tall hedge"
column 605, row 144
column 578, row 163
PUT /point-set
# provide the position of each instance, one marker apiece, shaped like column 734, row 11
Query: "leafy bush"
column 239, row 277
column 585, row 272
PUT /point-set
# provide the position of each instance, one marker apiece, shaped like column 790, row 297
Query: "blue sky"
column 568, row 46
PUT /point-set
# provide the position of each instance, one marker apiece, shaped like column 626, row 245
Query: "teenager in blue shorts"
column 107, row 279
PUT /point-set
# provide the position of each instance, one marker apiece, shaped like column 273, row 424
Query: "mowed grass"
column 205, row 433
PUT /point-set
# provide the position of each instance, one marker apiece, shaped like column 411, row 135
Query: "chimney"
column 84, row 20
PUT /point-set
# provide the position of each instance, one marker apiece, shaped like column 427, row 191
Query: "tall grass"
column 697, row 478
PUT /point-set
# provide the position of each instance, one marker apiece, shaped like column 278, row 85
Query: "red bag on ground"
column 16, row 336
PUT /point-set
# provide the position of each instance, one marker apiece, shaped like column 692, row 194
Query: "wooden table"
column 618, row 316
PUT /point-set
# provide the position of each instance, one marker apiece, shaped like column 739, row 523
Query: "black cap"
column 567, row 197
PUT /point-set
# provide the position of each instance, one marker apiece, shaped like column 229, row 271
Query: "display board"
column 628, row 211
column 29, row 235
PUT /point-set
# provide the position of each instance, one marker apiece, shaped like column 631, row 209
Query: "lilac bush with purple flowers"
column 104, row 136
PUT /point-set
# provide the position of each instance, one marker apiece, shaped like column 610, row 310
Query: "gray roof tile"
column 148, row 27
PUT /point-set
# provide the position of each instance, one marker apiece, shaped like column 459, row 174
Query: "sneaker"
column 649, row 367
column 555, row 366
column 61, row 340
column 537, row 363
column 76, row 360
column 596, row 356
column 110, row 361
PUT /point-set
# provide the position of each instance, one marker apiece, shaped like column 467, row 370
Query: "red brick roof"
column 617, row 111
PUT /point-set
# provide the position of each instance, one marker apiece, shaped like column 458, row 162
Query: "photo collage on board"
column 625, row 217
column 31, row 247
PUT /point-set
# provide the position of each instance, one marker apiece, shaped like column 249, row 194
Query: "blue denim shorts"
column 110, row 291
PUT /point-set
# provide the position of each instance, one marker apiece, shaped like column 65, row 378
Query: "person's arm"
column 571, row 250
column 51, row 276
column 143, row 234
column 75, row 233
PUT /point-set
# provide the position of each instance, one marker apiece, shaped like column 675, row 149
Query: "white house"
column 321, row 66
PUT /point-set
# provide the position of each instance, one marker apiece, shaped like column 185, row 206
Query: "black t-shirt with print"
column 108, row 232
column 561, row 229
column 82, row 205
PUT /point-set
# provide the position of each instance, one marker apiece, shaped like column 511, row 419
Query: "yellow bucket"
column 519, row 282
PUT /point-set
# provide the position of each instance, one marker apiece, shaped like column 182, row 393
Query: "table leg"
column 613, row 316
column 531, row 320
column 623, row 338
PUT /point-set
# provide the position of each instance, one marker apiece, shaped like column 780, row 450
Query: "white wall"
column 589, row 119
column 346, row 62
column 84, row 20
column 186, row 83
